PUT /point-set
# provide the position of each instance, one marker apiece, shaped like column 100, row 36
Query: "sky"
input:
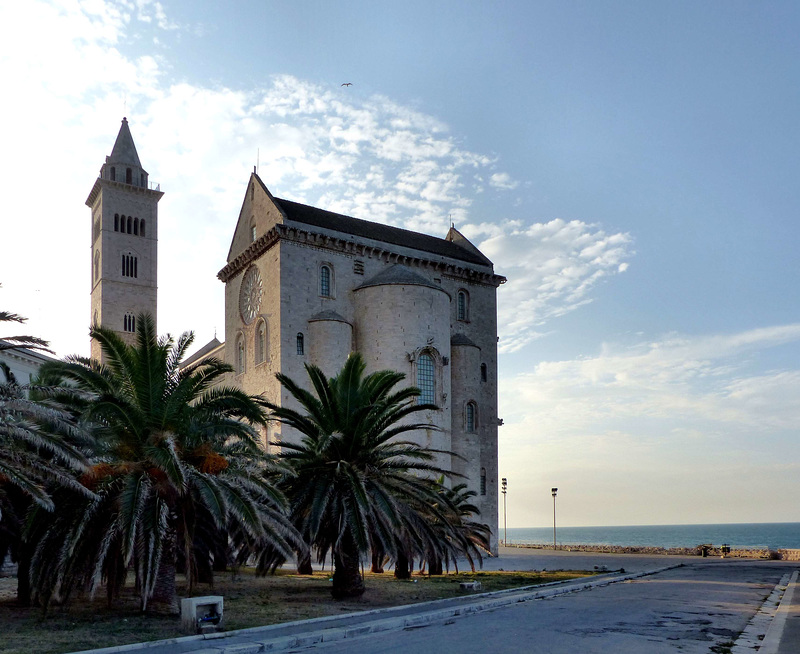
column 631, row 168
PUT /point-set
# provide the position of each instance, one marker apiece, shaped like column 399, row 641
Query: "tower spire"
column 123, row 164
column 124, row 150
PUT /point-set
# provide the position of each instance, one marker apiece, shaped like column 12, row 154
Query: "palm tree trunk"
column 165, row 594
column 347, row 580
column 24, row 576
column 304, row 566
column 435, row 566
column 378, row 558
column 402, row 569
column 221, row 555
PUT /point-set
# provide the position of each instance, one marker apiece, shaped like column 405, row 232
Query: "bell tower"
column 124, row 263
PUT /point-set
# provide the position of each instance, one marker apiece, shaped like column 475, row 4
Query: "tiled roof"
column 461, row 339
column 399, row 274
column 213, row 344
column 338, row 222
column 327, row 315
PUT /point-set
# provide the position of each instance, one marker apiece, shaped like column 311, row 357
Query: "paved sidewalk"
column 783, row 636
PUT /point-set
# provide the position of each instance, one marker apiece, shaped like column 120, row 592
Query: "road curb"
column 772, row 639
column 314, row 631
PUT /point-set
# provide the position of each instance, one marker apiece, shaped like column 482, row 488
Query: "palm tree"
column 458, row 536
column 39, row 451
column 177, row 451
column 20, row 342
column 354, row 481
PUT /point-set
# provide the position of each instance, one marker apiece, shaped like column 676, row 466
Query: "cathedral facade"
column 309, row 286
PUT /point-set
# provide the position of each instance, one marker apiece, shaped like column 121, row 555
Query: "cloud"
column 551, row 269
column 677, row 382
column 503, row 181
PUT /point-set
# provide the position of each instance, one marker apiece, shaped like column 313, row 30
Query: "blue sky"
column 630, row 167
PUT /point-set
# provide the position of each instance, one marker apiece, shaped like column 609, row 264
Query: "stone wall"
column 744, row 553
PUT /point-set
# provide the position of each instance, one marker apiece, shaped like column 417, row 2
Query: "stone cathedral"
column 305, row 285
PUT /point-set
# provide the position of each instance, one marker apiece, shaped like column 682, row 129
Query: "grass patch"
column 250, row 601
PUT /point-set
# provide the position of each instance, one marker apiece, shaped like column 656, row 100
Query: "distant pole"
column 553, row 491
column 505, row 517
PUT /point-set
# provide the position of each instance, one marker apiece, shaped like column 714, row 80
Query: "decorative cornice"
column 24, row 354
column 100, row 183
column 352, row 248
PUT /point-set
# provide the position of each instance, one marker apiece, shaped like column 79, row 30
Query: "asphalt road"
column 692, row 609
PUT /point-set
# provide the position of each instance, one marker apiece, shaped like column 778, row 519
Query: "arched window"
column 462, row 306
column 130, row 225
column 136, row 227
column 426, row 379
column 483, row 481
column 142, row 182
column 240, row 354
column 301, row 349
column 129, row 323
column 141, row 227
column 113, row 174
column 116, row 222
column 128, row 176
column 484, row 375
column 261, row 341
column 253, row 233
column 471, row 417
column 325, row 281
column 96, row 318
column 130, row 265
column 96, row 265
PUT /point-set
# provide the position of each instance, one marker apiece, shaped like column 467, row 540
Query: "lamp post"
column 504, row 484
column 553, row 491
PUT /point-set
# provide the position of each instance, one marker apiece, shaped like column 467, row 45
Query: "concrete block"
column 202, row 614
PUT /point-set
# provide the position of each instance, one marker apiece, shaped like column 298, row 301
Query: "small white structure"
column 470, row 585
column 202, row 614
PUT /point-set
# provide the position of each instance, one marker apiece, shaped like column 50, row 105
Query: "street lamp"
column 504, row 483
column 553, row 491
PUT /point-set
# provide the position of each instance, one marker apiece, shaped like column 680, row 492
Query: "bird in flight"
column 347, row 84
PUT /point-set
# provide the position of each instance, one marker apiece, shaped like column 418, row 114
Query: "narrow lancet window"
column 463, row 305
column 426, row 379
column 471, row 417
column 261, row 342
column 325, row 281
column 240, row 352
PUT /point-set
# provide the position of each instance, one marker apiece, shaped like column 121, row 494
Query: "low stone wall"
column 753, row 553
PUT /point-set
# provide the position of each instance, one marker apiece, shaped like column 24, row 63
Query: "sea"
column 772, row 535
